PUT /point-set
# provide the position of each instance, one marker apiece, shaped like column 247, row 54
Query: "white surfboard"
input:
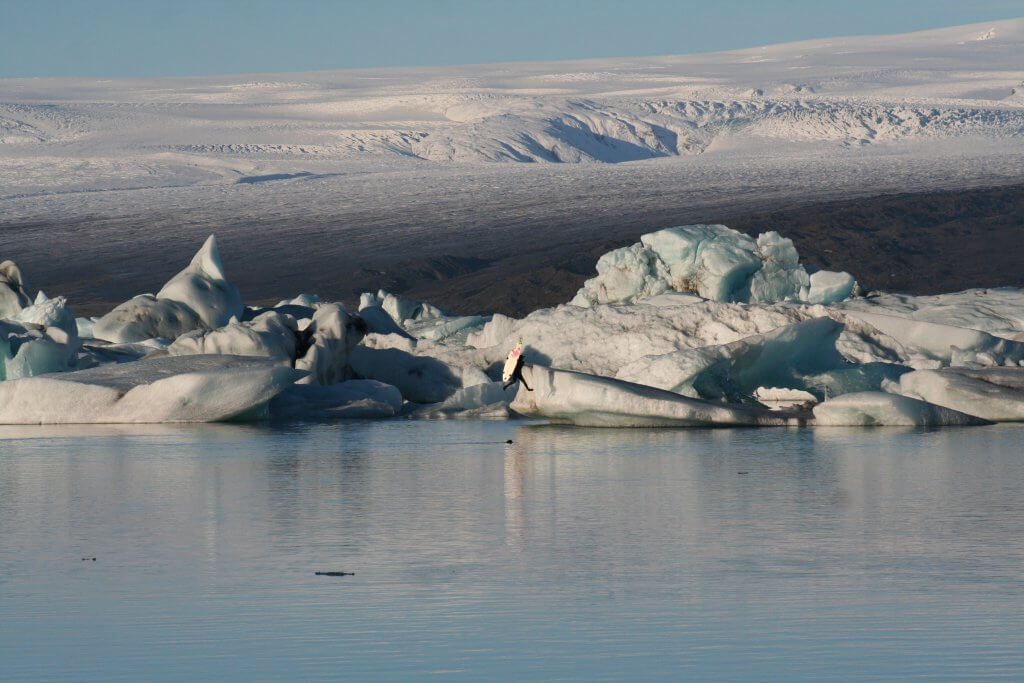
column 511, row 361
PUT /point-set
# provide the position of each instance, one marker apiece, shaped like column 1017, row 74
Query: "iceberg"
column 199, row 297
column 270, row 334
column 590, row 401
column 13, row 290
column 203, row 287
column 332, row 336
column 876, row 408
column 715, row 262
column 995, row 394
column 146, row 317
column 167, row 389
column 27, row 350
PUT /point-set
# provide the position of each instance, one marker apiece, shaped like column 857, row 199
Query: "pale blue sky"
column 203, row 37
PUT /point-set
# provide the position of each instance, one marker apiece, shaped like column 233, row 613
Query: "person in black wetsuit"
column 517, row 375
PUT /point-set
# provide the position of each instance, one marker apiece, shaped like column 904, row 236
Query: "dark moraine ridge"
column 916, row 242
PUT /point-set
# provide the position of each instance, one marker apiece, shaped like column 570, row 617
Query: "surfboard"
column 511, row 361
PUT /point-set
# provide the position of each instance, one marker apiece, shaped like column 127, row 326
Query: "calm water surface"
column 578, row 554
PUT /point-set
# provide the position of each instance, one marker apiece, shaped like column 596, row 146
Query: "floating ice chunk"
column 875, row 408
column 203, row 287
column 333, row 334
column 100, row 353
column 828, row 287
column 27, row 350
column 447, row 328
column 488, row 400
column 304, row 300
column 270, row 334
column 420, row 379
column 781, row 357
column 995, row 394
column 781, row 276
column 400, row 308
column 85, row 325
column 166, row 389
column 714, row 261
column 379, row 322
column 51, row 313
column 591, row 401
column 13, row 290
column 355, row 398
column 145, row 317
column 624, row 275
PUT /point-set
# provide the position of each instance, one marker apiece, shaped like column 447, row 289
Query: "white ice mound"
column 146, row 317
column 995, row 394
column 715, row 262
column 333, row 334
column 48, row 312
column 166, row 389
column 591, row 401
column 13, row 290
column 387, row 313
column 27, row 350
column 943, row 344
column 876, row 408
column 270, row 334
column 204, row 288
column 780, row 358
column 355, row 398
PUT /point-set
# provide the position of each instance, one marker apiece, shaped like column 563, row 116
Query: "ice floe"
column 168, row 389
column 562, row 396
column 879, row 409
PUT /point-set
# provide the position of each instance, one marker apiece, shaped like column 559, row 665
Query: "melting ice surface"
column 571, row 554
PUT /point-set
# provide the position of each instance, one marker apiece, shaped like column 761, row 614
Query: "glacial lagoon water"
column 569, row 554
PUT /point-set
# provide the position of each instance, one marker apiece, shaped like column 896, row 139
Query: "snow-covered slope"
column 846, row 92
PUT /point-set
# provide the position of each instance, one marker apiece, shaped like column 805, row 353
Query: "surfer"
column 513, row 370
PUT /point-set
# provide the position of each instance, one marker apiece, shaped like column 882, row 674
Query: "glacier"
column 692, row 326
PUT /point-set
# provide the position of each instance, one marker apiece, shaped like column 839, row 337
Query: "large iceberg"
column 715, row 262
column 199, row 297
column 591, row 401
column 167, row 389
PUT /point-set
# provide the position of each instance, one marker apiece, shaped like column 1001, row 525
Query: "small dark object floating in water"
column 86, row 559
column 743, row 473
column 335, row 573
column 508, row 441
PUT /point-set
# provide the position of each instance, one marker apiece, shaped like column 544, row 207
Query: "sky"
column 117, row 38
